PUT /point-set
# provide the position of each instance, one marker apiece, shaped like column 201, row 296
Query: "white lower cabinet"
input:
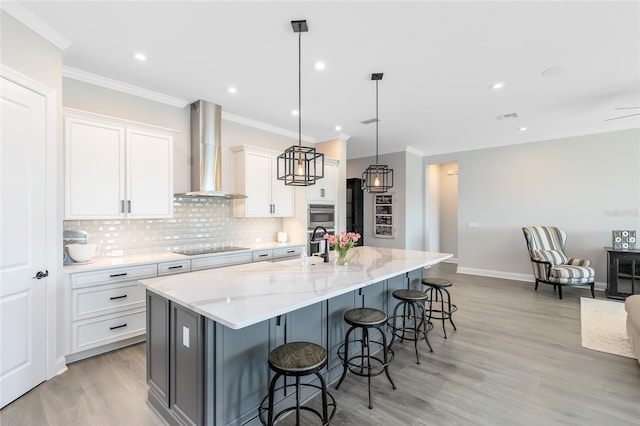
column 287, row 252
column 107, row 307
column 219, row 261
column 103, row 330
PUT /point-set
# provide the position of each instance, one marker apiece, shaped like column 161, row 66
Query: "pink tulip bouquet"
column 341, row 243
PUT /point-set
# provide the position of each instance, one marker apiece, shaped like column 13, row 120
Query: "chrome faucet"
column 325, row 255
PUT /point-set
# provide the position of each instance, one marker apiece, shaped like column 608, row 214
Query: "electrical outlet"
column 473, row 225
column 185, row 336
column 117, row 252
column 258, row 240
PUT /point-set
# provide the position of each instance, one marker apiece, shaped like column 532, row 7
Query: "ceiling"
column 439, row 60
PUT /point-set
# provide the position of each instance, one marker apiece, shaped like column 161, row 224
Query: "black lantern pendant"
column 300, row 165
column 377, row 177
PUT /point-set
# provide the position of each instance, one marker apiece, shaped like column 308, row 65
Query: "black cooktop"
column 209, row 250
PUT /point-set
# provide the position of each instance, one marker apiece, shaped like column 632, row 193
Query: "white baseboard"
column 512, row 276
column 61, row 366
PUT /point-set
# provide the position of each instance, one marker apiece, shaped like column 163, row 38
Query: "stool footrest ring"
column 331, row 404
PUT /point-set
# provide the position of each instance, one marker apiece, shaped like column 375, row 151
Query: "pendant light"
column 300, row 165
column 377, row 177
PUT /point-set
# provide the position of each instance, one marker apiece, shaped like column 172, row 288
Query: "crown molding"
column 264, row 126
column 34, row 23
column 99, row 80
column 412, row 150
column 344, row 136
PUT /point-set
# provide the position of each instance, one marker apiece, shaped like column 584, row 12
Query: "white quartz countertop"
column 242, row 295
column 115, row 261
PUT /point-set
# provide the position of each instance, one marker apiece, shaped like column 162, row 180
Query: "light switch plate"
column 185, row 336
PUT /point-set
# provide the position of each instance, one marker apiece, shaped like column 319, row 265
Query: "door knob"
column 40, row 275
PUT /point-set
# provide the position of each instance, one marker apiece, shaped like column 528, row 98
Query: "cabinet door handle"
column 128, row 206
column 118, row 297
column 175, row 267
column 322, row 192
column 124, row 274
column 290, row 251
column 121, row 206
column 118, row 326
column 263, row 255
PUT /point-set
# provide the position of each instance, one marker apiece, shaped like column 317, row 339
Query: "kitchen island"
column 209, row 333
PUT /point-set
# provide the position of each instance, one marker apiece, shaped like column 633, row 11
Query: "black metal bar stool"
column 414, row 322
column 437, row 289
column 365, row 319
column 297, row 359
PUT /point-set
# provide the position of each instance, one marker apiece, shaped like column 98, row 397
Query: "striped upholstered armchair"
column 551, row 265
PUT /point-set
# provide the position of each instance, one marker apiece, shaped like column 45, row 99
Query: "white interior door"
column 23, row 346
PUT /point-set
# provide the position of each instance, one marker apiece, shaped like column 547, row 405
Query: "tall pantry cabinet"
column 116, row 168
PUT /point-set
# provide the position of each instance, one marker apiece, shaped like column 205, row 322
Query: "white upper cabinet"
column 326, row 189
column 256, row 177
column 116, row 169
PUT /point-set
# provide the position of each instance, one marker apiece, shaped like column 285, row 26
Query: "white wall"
column 587, row 185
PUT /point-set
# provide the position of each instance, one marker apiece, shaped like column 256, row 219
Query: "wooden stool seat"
column 405, row 294
column 436, row 282
column 297, row 359
column 365, row 317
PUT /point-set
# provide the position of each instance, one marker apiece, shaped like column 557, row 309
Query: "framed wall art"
column 383, row 215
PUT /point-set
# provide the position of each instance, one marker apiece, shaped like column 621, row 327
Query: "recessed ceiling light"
column 140, row 56
column 232, row 90
column 294, row 112
column 523, row 129
column 319, row 66
column 338, row 128
column 497, row 85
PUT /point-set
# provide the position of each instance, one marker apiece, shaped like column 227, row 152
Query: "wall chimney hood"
column 206, row 160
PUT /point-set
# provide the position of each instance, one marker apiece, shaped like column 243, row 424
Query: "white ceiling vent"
column 369, row 121
column 505, row 116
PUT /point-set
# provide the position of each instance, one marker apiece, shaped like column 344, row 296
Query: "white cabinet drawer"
column 219, row 261
column 259, row 256
column 113, row 275
column 175, row 267
column 287, row 252
column 103, row 330
column 91, row 301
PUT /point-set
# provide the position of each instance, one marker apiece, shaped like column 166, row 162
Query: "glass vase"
column 342, row 258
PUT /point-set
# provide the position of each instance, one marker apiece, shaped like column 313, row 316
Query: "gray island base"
column 209, row 333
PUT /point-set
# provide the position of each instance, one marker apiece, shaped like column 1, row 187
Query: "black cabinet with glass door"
column 623, row 273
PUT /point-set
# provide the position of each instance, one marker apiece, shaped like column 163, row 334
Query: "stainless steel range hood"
column 206, row 160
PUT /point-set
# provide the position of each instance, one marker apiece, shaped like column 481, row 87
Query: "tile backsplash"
column 196, row 223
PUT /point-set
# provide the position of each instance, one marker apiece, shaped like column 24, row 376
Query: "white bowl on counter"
column 83, row 252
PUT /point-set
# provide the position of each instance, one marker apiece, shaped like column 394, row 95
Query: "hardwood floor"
column 516, row 359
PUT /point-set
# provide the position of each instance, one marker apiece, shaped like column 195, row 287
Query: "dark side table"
column 623, row 273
